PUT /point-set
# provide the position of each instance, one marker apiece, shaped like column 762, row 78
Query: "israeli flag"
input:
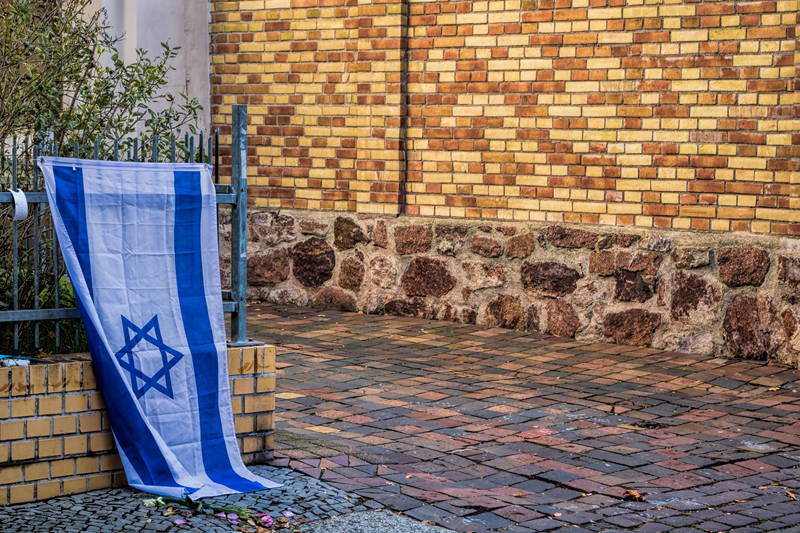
column 139, row 241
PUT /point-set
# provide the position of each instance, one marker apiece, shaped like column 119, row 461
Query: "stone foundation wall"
column 55, row 436
column 726, row 294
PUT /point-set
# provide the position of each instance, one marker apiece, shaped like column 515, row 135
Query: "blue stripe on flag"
column 199, row 334
column 144, row 454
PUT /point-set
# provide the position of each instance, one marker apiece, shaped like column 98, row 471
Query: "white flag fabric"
column 139, row 241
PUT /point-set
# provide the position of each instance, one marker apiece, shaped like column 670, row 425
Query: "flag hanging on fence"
column 139, row 241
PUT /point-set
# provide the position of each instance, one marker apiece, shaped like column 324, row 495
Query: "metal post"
column 239, row 228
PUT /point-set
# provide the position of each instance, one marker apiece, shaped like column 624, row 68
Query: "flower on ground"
column 265, row 519
column 180, row 521
column 289, row 514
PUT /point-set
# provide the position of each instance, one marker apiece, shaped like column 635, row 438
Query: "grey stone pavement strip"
column 123, row 509
column 371, row 522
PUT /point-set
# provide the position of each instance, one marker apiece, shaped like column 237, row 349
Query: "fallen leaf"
column 519, row 495
column 556, row 514
column 634, row 495
column 409, row 476
column 792, row 496
column 774, row 388
column 763, row 488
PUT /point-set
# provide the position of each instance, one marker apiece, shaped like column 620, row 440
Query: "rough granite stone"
column 413, row 239
column 351, row 274
column 752, row 328
column 505, row 311
column 427, row 276
column 562, row 321
column 313, row 261
column 507, row 230
column 450, row 239
column 691, row 257
column 408, row 307
column 789, row 271
column 380, row 235
column 521, row 246
column 645, row 262
column 549, row 278
column 312, row 227
column 347, row 233
column 382, row 271
column 333, row 298
column 532, row 319
column 602, row 263
column 485, row 246
column 571, row 238
column 789, row 322
column 268, row 268
column 688, row 292
column 743, row 266
column 482, row 276
column 656, row 244
column 289, row 296
column 634, row 327
column 271, row 229
column 631, row 287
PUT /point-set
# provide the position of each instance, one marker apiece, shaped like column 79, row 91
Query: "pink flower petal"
column 289, row 514
column 180, row 521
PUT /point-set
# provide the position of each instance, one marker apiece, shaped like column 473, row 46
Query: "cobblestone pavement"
column 122, row 509
column 480, row 429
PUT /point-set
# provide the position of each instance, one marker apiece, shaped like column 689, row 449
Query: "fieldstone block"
column 602, row 263
column 562, row 321
column 427, row 276
column 645, row 262
column 450, row 239
column 571, row 238
column 481, row 276
column 312, row 227
column 269, row 268
column 688, row 292
column 549, row 278
column 408, row 307
column 691, row 257
column 789, row 271
column 382, row 271
column 521, row 246
column 743, row 266
column 752, row 328
column 380, row 236
column 505, row 311
column 351, row 274
column 347, row 233
column 313, row 262
column 412, row 239
column 333, row 298
column 631, row 287
column 634, row 327
column 485, row 246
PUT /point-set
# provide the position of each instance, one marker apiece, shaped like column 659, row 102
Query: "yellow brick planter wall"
column 55, row 435
column 671, row 114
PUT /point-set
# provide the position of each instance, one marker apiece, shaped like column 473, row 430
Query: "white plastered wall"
column 184, row 23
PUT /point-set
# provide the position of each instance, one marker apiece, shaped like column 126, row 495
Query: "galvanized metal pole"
column 239, row 227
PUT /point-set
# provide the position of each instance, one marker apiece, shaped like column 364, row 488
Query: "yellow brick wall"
column 55, row 436
column 669, row 114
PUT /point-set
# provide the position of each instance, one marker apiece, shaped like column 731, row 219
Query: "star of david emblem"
column 151, row 333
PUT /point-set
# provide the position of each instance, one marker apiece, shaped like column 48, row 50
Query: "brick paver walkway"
column 488, row 429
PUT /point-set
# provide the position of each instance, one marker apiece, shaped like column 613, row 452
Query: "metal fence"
column 39, row 290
